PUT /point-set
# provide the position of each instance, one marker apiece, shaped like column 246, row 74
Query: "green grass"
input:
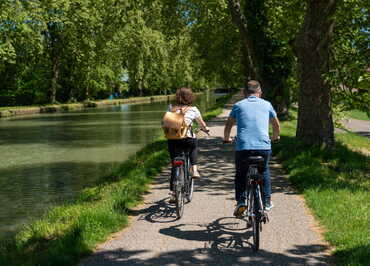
column 67, row 233
column 335, row 184
column 218, row 108
column 358, row 115
column 354, row 141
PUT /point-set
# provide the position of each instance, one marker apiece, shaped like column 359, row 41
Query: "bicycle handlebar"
column 206, row 131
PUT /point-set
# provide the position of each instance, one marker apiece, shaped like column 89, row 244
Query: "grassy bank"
column 67, row 233
column 358, row 115
column 336, row 186
column 218, row 108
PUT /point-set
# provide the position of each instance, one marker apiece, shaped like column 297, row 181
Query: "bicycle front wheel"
column 179, row 192
column 179, row 203
column 189, row 188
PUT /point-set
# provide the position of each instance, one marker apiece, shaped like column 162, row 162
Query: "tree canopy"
column 60, row 51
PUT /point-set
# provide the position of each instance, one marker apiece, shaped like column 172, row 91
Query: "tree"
column 312, row 46
column 265, row 56
column 250, row 58
column 217, row 43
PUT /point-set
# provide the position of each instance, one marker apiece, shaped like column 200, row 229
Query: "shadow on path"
column 226, row 242
column 212, row 154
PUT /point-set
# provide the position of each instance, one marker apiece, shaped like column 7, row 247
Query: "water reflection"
column 46, row 159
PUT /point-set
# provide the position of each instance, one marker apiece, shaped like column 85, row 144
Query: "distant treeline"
column 67, row 50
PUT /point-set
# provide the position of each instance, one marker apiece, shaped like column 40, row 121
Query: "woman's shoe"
column 195, row 174
column 172, row 198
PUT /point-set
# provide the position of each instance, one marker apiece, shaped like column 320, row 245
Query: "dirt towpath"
column 208, row 234
column 360, row 127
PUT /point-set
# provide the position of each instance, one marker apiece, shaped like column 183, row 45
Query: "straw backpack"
column 173, row 123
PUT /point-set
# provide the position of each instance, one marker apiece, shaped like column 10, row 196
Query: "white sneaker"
column 269, row 206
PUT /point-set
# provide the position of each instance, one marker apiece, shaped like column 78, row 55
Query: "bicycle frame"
column 254, row 186
column 183, row 182
column 182, row 161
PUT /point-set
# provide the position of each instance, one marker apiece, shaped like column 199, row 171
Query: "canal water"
column 46, row 159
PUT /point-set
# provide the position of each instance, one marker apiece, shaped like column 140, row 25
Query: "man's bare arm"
column 229, row 124
column 275, row 128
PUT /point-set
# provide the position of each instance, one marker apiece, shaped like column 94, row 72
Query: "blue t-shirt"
column 253, row 116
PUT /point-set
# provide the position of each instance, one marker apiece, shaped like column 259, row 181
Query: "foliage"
column 276, row 58
column 64, row 51
column 350, row 52
column 351, row 56
column 217, row 42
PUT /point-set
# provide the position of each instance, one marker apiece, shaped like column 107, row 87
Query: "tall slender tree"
column 263, row 58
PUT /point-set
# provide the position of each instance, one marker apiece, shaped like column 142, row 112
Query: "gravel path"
column 360, row 127
column 208, row 234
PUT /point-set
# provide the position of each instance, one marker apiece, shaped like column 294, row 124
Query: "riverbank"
column 52, row 108
column 66, row 233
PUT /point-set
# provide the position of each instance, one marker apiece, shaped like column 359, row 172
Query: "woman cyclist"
column 184, row 100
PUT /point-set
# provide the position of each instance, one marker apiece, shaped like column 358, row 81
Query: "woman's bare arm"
column 201, row 123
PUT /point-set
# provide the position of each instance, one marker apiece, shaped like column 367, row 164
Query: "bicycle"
column 183, row 181
column 255, row 214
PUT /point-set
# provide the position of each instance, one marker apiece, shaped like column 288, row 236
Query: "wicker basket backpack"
column 173, row 123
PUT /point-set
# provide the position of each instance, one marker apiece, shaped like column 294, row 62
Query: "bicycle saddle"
column 255, row 159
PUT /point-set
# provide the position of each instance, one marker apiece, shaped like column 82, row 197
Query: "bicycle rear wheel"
column 256, row 221
column 179, row 192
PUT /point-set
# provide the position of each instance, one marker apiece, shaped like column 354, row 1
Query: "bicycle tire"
column 189, row 189
column 179, row 192
column 256, row 221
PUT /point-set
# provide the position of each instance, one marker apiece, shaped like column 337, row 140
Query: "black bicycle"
column 255, row 213
column 183, row 182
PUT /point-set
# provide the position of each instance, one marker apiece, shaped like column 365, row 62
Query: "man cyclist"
column 252, row 116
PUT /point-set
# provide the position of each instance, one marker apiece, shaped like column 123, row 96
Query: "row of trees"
column 314, row 52
column 64, row 50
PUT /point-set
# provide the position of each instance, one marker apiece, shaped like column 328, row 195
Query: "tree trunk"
column 251, row 61
column 54, row 53
column 281, row 101
column 247, row 44
column 312, row 47
column 87, row 89
column 54, row 78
